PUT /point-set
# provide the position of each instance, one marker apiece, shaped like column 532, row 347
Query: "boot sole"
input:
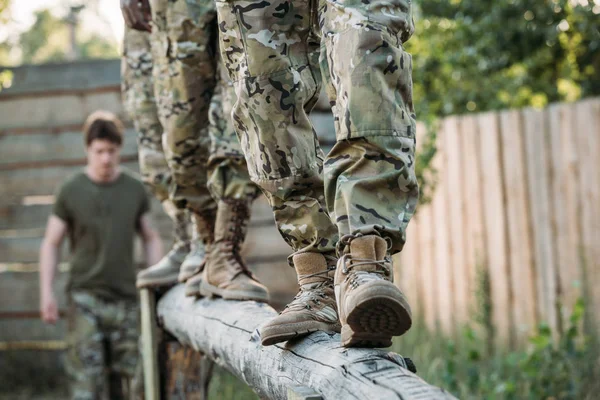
column 208, row 290
column 378, row 314
column 169, row 280
column 271, row 335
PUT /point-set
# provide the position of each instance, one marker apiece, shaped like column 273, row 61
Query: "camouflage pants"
column 276, row 53
column 103, row 346
column 194, row 106
column 138, row 98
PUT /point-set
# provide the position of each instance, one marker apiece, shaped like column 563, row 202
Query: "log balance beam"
column 313, row 367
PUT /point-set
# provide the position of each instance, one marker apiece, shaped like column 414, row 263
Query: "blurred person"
column 193, row 99
column 101, row 209
column 346, row 213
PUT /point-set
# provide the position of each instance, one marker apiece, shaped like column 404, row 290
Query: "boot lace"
column 311, row 294
column 357, row 278
column 239, row 220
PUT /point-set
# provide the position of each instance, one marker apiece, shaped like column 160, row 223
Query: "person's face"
column 103, row 157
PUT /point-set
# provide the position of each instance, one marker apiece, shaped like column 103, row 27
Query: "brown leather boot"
column 313, row 308
column 372, row 309
column 193, row 267
column 226, row 274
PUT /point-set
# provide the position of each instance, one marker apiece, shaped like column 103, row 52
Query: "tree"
column 473, row 55
column 48, row 40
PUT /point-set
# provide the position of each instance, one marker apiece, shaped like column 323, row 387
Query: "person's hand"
column 49, row 309
column 136, row 14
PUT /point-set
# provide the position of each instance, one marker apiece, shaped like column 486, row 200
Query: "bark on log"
column 226, row 332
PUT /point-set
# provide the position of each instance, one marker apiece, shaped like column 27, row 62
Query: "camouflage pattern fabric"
column 137, row 88
column 102, row 338
column 227, row 170
column 366, row 184
column 184, row 41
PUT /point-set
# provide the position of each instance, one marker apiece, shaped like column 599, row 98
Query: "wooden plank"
column 496, row 229
column 535, row 133
column 49, row 146
column 19, row 291
column 149, row 345
column 57, row 110
column 406, row 265
column 83, row 75
column 225, row 331
column 428, row 270
column 522, row 274
column 16, row 330
column 587, row 134
column 476, row 252
column 565, row 173
column 443, row 274
column 41, row 181
column 456, row 228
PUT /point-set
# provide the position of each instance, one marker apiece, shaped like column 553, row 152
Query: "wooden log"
column 226, row 331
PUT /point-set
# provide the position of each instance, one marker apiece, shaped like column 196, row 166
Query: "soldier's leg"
column 184, row 76
column 139, row 101
column 122, row 332
column 370, row 184
column 226, row 273
column 269, row 51
column 85, row 358
column 265, row 48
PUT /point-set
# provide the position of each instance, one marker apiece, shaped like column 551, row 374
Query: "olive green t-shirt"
column 102, row 220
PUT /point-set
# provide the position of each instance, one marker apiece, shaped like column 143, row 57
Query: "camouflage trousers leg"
column 227, row 171
column 369, row 181
column 271, row 54
column 139, row 100
column 103, row 352
column 185, row 76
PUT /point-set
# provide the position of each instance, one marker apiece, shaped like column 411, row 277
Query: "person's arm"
column 137, row 14
column 49, row 256
column 151, row 239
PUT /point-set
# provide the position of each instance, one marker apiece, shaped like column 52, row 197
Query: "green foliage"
column 473, row 56
column 478, row 55
column 550, row 368
column 48, row 40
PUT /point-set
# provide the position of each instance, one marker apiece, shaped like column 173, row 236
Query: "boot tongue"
column 370, row 248
column 308, row 264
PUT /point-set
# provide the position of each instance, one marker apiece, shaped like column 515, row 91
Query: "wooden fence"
column 517, row 197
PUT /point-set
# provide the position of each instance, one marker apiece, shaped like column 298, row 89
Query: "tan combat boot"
column 193, row 266
column 313, row 308
column 372, row 309
column 226, row 274
column 165, row 272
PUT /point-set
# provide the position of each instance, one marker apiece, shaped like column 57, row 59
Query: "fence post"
column 150, row 345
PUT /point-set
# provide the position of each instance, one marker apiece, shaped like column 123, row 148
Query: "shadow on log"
column 226, row 332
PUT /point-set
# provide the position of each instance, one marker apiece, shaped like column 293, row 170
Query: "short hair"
column 103, row 125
